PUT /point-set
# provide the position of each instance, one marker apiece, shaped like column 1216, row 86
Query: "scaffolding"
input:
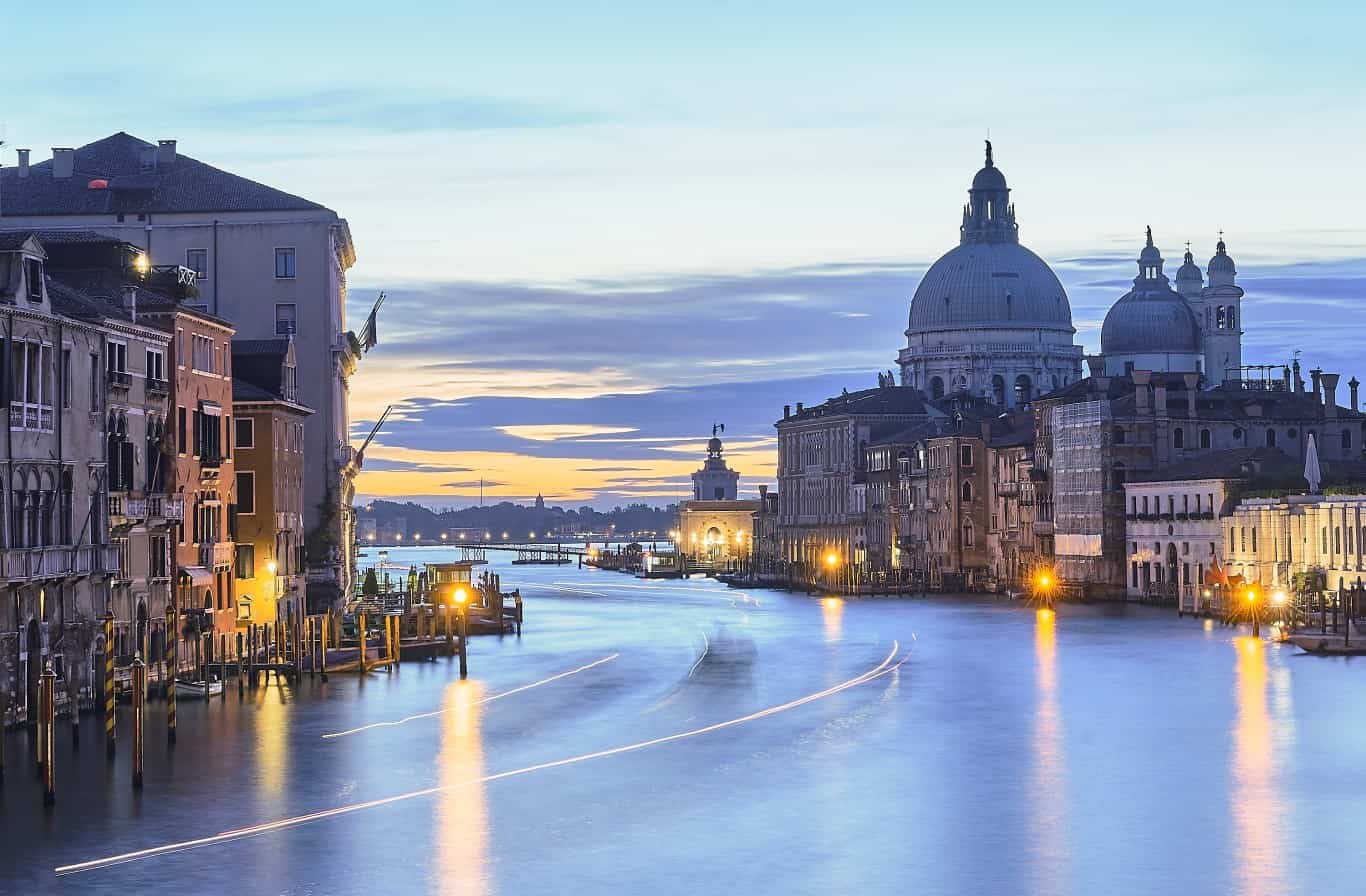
column 1084, row 521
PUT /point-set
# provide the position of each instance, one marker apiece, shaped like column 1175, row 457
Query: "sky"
column 604, row 227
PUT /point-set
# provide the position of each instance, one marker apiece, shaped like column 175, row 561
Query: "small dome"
column 989, row 178
column 1188, row 271
column 1146, row 323
column 714, row 445
column 1222, row 262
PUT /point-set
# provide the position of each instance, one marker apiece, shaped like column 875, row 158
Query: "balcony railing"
column 165, row 507
column 124, row 510
column 215, row 555
column 118, row 379
column 23, row 415
column 1008, row 488
column 158, row 387
column 18, row 564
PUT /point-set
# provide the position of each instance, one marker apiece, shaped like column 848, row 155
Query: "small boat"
column 194, row 690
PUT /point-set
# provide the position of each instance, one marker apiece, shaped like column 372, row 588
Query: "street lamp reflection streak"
column 1255, row 801
column 1048, row 780
column 461, row 818
column 888, row 665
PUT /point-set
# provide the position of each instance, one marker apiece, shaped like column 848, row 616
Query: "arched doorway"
column 713, row 539
column 936, row 387
column 1173, row 582
column 998, row 390
column 34, row 670
column 1024, row 389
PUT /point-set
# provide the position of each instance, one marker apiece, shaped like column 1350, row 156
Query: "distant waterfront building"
column 271, row 263
column 716, row 526
column 990, row 318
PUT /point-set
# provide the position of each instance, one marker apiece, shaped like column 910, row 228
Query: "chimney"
column 799, row 408
column 1160, row 398
column 1330, row 394
column 23, row 163
column 1192, row 383
column 130, row 302
column 1285, row 374
column 1299, row 380
column 1314, row 377
column 1353, row 385
column 1095, row 365
column 63, row 162
column 1142, row 399
column 787, row 411
column 165, row 153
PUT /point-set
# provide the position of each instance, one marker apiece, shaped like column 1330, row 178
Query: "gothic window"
column 1024, row 389
column 967, row 492
column 1204, row 438
column 998, row 389
column 967, row 535
column 1179, row 438
column 1271, row 438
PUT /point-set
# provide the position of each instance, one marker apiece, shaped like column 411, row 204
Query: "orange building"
column 200, row 437
column 268, row 446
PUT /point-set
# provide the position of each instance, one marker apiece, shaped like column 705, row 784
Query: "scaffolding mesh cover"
column 1079, row 434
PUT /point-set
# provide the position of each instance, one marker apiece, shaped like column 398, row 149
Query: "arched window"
column 968, row 538
column 1271, row 438
column 967, row 492
column 1024, row 389
column 936, row 387
column 1178, row 438
column 960, row 383
column 998, row 389
column 1237, row 434
column 1346, row 440
column 1232, row 318
column 1204, row 438
column 1219, row 317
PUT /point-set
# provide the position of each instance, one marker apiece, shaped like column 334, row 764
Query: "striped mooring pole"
column 139, row 716
column 47, row 723
column 109, row 684
column 172, row 662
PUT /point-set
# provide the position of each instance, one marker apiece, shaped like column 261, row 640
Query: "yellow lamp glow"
column 271, row 567
column 1278, row 598
column 832, row 559
column 461, row 596
column 1252, row 597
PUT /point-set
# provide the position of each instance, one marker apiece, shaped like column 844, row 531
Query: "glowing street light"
column 1278, row 598
column 271, row 567
column 417, row 537
column 832, row 559
column 443, row 536
column 398, row 536
column 461, row 597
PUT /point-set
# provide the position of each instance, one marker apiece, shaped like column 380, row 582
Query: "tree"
column 370, row 586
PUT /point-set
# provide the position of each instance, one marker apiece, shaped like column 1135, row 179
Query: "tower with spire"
column 1221, row 317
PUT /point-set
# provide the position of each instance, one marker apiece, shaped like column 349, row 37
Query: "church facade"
column 990, row 318
column 716, row 526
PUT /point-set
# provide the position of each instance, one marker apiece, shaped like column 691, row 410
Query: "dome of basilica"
column 990, row 284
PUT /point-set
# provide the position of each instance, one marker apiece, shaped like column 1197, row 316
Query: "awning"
column 197, row 576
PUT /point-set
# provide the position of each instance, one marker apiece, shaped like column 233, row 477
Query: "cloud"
column 555, row 432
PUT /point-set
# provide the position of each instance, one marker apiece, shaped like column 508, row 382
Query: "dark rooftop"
column 135, row 184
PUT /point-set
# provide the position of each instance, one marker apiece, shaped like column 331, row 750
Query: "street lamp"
column 1043, row 585
column 461, row 598
column 1252, row 611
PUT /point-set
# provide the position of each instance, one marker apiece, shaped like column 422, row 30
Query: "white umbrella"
column 1312, row 473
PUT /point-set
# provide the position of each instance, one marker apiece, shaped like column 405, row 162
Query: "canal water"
column 684, row 738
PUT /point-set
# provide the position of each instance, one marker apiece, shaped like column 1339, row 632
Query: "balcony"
column 166, row 507
column 217, row 555
column 23, row 415
column 1008, row 488
column 346, row 455
column 158, row 387
column 26, row 564
column 118, row 380
column 124, row 511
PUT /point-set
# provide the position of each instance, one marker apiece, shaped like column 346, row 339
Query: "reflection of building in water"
column 1256, row 805
column 462, row 826
column 1048, row 781
column 715, row 525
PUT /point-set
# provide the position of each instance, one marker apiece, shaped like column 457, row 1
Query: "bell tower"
column 1222, row 317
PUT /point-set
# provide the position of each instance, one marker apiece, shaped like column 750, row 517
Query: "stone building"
column 1106, row 430
column 56, row 561
column 271, row 263
column 268, row 441
column 990, row 318
column 1268, row 541
column 1174, row 518
column 1012, row 549
column 821, row 459
column 716, row 526
column 104, row 281
column 200, row 440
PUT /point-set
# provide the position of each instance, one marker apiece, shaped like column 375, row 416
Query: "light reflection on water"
column 1048, row 780
column 832, row 618
column 1256, row 803
column 462, row 824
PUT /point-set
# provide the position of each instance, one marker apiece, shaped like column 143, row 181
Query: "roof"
column 184, row 184
column 244, row 391
column 1013, row 430
column 1235, row 463
column 13, row 240
column 990, row 284
column 881, row 400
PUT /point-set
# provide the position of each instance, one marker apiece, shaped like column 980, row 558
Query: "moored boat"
column 194, row 690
